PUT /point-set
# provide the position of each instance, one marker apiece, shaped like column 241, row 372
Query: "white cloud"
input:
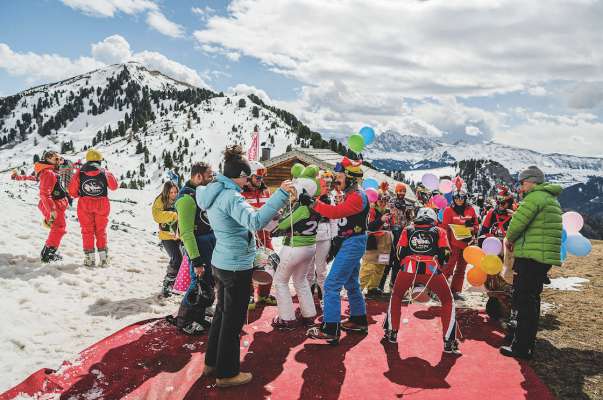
column 244, row 89
column 203, row 12
column 160, row 23
column 586, row 95
column 108, row 8
column 43, row 67
column 359, row 62
column 113, row 49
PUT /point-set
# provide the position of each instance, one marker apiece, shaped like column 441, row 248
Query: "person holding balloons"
column 423, row 249
column 353, row 213
column 534, row 235
column 458, row 213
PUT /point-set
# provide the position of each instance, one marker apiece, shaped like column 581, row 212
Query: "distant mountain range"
column 394, row 151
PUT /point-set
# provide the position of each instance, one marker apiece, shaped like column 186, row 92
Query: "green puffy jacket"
column 536, row 227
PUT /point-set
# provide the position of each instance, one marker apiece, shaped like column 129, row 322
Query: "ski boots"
column 284, row 326
column 451, row 347
column 390, row 336
column 103, row 258
column 49, row 254
column 327, row 331
column 89, row 259
column 193, row 329
column 357, row 323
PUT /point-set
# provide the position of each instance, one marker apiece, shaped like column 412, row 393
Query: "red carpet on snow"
column 151, row 360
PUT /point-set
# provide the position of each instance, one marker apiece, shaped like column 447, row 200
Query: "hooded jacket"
column 52, row 194
column 535, row 229
column 234, row 221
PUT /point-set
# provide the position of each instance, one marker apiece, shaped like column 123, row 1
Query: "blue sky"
column 525, row 75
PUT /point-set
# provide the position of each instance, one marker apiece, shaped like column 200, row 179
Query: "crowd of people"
column 391, row 248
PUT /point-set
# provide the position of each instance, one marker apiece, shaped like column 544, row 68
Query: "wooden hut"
column 279, row 167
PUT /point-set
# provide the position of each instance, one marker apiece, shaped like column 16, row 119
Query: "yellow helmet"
column 94, row 155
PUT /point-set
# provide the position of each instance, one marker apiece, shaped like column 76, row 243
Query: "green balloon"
column 356, row 143
column 317, row 187
column 297, row 170
column 311, row 171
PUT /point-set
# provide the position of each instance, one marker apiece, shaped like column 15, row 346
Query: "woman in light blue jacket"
column 233, row 221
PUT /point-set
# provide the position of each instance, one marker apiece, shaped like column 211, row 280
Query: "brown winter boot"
column 241, row 379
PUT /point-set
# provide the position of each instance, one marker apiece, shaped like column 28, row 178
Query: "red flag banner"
column 252, row 153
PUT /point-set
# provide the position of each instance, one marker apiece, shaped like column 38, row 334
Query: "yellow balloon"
column 491, row 264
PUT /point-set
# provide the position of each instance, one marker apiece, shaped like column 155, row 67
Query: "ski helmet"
column 459, row 195
column 426, row 215
column 257, row 168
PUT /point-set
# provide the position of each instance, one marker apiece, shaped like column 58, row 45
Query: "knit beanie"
column 532, row 174
column 235, row 163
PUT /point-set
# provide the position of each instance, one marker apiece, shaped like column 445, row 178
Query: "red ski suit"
column 424, row 269
column 257, row 198
column 457, row 264
column 53, row 202
column 93, row 205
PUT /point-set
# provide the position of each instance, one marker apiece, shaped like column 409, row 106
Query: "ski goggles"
column 261, row 172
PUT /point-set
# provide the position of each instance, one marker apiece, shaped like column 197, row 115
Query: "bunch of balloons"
column 572, row 240
column 485, row 260
column 370, row 186
column 358, row 141
column 305, row 178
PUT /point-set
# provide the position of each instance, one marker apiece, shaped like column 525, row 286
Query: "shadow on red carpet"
column 151, row 360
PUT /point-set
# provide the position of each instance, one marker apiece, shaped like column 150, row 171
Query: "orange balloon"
column 473, row 255
column 476, row 277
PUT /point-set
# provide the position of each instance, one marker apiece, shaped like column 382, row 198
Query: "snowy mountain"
column 395, row 151
column 143, row 121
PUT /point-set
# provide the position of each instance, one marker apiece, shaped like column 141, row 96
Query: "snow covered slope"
column 51, row 312
column 394, row 151
column 134, row 116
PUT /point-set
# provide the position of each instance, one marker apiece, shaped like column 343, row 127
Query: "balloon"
column 440, row 201
column 307, row 184
column 572, row 222
column 578, row 245
column 430, row 181
column 473, row 255
column 297, row 170
column 372, row 194
column 563, row 252
column 370, row 183
column 445, row 186
column 476, row 277
column 368, row 134
column 311, row 171
column 563, row 236
column 356, row 143
column 491, row 264
column 441, row 215
column 492, row 246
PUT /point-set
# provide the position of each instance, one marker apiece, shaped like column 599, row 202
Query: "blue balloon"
column 563, row 236
column 368, row 134
column 441, row 215
column 563, row 252
column 370, row 183
column 578, row 245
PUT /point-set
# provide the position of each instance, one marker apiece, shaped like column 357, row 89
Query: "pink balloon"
column 445, row 186
column 372, row 194
column 572, row 222
column 492, row 246
column 440, row 201
column 430, row 181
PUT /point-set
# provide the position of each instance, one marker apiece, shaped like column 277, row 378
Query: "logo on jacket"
column 421, row 242
column 92, row 188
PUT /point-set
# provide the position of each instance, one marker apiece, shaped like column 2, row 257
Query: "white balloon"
column 305, row 183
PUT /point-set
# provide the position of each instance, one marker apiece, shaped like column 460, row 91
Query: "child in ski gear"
column 199, row 242
column 53, row 203
column 353, row 213
column 164, row 213
column 299, row 248
column 379, row 237
column 91, row 184
column 458, row 213
column 257, row 193
column 534, row 235
column 234, row 222
column 423, row 249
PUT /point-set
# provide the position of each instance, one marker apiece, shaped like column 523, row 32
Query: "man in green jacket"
column 534, row 235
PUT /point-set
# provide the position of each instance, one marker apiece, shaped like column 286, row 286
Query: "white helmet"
column 257, row 168
column 426, row 215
